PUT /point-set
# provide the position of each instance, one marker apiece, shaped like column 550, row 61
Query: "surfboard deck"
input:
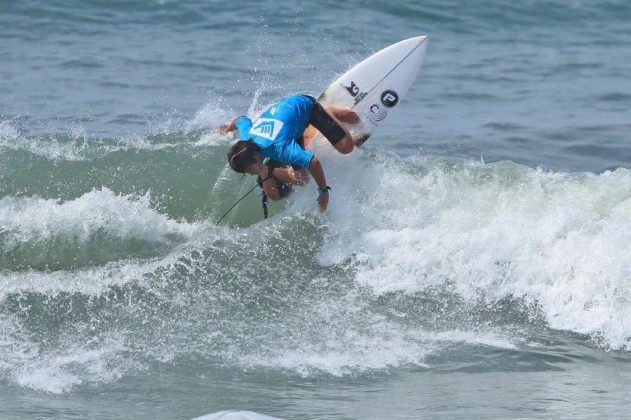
column 374, row 87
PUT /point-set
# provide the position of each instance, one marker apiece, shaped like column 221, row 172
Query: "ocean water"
column 475, row 260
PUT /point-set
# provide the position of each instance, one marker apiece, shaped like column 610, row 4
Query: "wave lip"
column 95, row 228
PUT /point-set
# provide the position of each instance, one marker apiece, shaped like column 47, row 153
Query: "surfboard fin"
column 360, row 138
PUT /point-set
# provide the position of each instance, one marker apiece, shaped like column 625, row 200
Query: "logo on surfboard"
column 376, row 114
column 389, row 98
column 354, row 91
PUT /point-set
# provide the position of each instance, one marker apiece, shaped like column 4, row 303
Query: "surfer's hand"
column 323, row 200
column 226, row 128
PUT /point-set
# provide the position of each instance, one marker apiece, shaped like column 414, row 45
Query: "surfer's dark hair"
column 243, row 154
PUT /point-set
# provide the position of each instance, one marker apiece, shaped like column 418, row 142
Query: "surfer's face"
column 255, row 168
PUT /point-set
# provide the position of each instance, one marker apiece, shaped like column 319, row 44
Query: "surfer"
column 275, row 141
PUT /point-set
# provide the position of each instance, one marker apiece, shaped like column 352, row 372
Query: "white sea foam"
column 483, row 338
column 73, row 146
column 489, row 231
column 31, row 365
column 90, row 281
column 341, row 348
column 76, row 145
column 8, row 133
column 121, row 217
column 209, row 116
column 494, row 231
column 384, row 345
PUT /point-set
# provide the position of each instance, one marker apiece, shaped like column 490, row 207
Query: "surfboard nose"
column 422, row 42
column 418, row 43
column 414, row 40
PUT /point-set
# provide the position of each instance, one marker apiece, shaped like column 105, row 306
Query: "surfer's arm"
column 269, row 184
column 318, row 175
column 291, row 175
column 243, row 125
column 227, row 128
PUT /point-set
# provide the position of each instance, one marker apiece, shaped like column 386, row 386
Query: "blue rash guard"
column 277, row 130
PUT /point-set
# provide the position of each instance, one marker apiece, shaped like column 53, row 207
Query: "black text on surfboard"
column 353, row 89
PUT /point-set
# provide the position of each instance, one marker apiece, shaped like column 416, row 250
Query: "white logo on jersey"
column 267, row 127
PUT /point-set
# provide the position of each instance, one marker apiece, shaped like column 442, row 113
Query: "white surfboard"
column 375, row 87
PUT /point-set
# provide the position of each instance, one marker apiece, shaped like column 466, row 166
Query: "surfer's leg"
column 344, row 115
column 331, row 128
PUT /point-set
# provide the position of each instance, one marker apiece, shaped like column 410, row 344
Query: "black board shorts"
column 325, row 123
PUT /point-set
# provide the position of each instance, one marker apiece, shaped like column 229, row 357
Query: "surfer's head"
column 245, row 157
